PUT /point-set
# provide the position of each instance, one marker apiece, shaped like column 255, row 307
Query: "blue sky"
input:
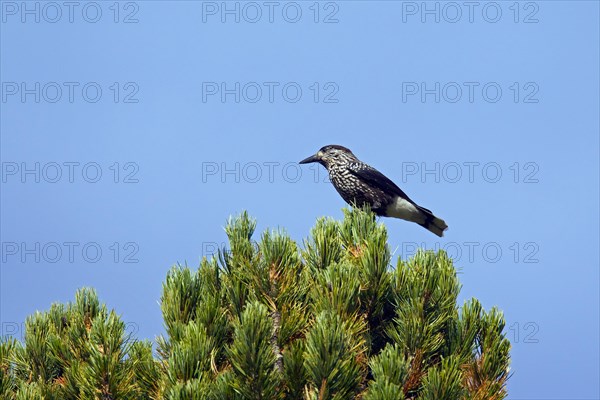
column 131, row 133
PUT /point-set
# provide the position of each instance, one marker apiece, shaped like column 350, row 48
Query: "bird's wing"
column 377, row 179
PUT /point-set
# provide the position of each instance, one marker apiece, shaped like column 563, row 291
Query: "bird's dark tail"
column 432, row 223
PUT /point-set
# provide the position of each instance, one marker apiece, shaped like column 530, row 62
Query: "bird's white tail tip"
column 436, row 226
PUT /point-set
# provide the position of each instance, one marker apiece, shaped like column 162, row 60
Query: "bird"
column 361, row 185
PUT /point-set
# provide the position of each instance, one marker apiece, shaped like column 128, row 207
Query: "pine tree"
column 268, row 320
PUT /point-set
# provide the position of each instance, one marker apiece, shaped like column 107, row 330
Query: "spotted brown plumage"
column 359, row 184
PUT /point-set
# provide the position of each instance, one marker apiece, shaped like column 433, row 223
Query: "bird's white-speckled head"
column 332, row 154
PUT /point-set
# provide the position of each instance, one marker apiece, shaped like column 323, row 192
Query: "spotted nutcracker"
column 360, row 184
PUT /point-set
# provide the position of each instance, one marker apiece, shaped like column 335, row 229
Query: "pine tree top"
column 332, row 319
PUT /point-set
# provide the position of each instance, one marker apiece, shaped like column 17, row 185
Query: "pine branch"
column 276, row 318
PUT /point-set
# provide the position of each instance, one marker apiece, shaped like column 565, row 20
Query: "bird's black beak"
column 311, row 159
